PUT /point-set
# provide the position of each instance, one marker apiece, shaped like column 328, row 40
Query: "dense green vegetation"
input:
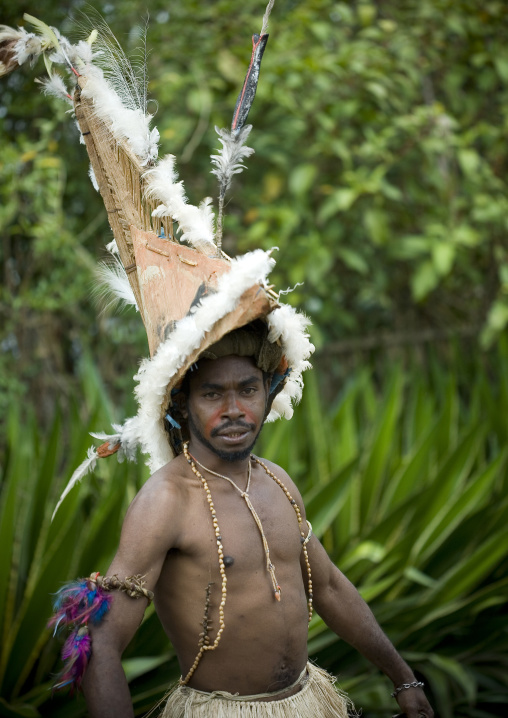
column 380, row 173
column 407, row 491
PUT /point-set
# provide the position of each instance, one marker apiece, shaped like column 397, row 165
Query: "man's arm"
column 343, row 609
column 150, row 529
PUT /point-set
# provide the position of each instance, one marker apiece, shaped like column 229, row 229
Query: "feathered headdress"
column 188, row 295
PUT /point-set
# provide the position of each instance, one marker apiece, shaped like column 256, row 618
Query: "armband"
column 82, row 602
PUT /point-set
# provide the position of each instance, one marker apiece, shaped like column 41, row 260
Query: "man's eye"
column 249, row 390
column 211, row 395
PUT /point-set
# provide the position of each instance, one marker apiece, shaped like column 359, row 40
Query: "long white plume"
column 126, row 77
column 125, row 435
column 83, row 469
column 118, row 88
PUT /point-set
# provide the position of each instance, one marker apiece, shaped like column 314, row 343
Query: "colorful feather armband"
column 78, row 604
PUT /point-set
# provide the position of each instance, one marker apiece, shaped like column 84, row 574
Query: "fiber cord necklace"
column 204, row 643
column 245, row 495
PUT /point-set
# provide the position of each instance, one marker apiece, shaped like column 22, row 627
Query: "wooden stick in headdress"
column 229, row 160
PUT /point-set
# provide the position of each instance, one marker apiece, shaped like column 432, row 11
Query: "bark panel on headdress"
column 172, row 279
column 254, row 303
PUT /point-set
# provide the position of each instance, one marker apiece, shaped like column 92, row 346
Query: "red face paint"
column 226, row 406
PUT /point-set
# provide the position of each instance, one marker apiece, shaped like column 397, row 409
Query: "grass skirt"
column 318, row 698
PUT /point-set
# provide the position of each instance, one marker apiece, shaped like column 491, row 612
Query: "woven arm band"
column 133, row 586
column 405, row 686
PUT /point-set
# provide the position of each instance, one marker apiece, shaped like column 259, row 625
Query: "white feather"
column 112, row 439
column 83, row 469
column 20, row 44
column 93, row 178
column 64, row 50
column 10, row 35
column 229, row 161
column 113, row 285
column 194, row 223
column 127, row 124
column 28, row 47
column 128, row 79
column 127, row 448
column 55, row 87
column 83, row 51
column 112, row 247
column 126, row 435
column 130, row 438
column 161, row 183
column 290, row 328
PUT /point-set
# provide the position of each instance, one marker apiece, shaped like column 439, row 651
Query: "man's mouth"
column 233, row 434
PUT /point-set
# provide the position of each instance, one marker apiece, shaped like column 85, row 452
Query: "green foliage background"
column 380, row 173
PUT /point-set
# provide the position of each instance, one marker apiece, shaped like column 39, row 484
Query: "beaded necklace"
column 245, row 495
column 204, row 641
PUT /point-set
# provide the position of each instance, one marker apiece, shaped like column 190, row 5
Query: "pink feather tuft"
column 80, row 602
column 76, row 604
column 76, row 654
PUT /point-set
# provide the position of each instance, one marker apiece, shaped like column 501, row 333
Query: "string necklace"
column 245, row 495
column 204, row 640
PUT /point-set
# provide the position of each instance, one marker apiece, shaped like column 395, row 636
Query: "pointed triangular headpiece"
column 189, row 297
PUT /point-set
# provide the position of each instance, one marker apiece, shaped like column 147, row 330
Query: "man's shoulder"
column 272, row 466
column 279, row 472
column 165, row 490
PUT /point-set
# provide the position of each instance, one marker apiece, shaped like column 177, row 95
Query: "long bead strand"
column 205, row 646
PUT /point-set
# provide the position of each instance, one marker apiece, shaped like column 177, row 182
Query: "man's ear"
column 180, row 401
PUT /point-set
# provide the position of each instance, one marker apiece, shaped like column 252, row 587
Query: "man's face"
column 226, row 406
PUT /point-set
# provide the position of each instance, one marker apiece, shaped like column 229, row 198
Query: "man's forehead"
column 225, row 368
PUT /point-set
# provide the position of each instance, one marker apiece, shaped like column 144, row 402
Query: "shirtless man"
column 168, row 537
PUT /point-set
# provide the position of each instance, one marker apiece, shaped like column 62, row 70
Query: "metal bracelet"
column 405, row 686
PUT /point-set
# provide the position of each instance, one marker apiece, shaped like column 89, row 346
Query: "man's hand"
column 414, row 703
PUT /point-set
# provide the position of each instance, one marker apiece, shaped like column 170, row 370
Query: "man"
column 219, row 535
column 168, row 537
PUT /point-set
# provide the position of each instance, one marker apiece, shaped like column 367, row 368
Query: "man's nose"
column 232, row 406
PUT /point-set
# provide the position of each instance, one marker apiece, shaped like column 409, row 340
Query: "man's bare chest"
column 249, row 529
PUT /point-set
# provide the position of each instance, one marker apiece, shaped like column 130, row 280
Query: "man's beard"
column 224, row 455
